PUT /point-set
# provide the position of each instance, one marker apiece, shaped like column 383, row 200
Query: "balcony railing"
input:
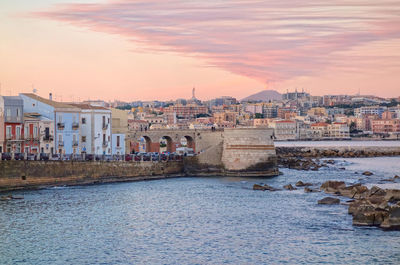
column 75, row 125
column 74, row 143
column 60, row 125
column 14, row 138
column 105, row 126
column 60, row 143
column 48, row 138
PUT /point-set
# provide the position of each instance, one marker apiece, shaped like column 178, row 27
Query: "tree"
column 353, row 127
column 259, row 116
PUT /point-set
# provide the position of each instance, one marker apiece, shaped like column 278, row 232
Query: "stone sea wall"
column 37, row 174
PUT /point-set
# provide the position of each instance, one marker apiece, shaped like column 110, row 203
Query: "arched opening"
column 144, row 144
column 189, row 142
column 165, row 144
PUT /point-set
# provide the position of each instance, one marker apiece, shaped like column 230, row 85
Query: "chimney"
column 51, row 96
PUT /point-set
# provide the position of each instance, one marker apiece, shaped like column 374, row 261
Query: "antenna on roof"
column 34, row 90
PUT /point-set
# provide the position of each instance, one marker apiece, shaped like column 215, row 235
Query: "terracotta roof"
column 318, row 124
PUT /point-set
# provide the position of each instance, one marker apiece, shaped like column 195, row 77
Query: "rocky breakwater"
column 303, row 163
column 369, row 207
column 320, row 152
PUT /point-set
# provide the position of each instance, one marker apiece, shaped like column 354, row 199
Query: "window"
column 118, row 141
column 74, row 137
column 104, row 138
column 8, row 131
column 83, row 120
column 18, row 132
column 26, row 132
column 35, row 132
column 60, row 137
column 8, row 112
column 83, row 139
column 59, row 118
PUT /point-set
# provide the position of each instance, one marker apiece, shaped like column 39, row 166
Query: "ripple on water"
column 194, row 221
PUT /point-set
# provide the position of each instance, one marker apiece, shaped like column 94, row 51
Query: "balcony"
column 60, row 125
column 74, row 143
column 75, row 125
column 48, row 138
column 105, row 126
column 105, row 143
column 61, row 143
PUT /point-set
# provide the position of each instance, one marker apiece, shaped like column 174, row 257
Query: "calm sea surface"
column 196, row 221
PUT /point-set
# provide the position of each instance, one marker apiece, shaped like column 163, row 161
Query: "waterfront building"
column 319, row 130
column 339, row 130
column 385, row 126
column 118, row 144
column 119, row 126
column 284, row 129
column 95, row 129
column 11, row 124
column 66, row 119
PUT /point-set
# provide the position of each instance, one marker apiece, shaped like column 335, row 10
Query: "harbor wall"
column 37, row 174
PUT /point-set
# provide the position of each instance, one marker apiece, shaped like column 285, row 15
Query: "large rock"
column 302, row 184
column 265, row 187
column 332, row 186
column 356, row 191
column 309, row 190
column 289, row 187
column 392, row 220
column 369, row 218
column 329, row 200
column 367, row 173
column 392, row 195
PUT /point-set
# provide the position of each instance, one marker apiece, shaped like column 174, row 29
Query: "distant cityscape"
column 33, row 124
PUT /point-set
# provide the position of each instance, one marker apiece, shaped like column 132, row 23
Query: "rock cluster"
column 302, row 163
column 316, row 152
column 369, row 207
column 264, row 187
column 10, row 197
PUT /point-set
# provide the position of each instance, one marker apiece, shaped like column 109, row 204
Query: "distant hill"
column 265, row 96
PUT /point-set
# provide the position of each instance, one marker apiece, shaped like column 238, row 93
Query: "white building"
column 95, row 129
column 118, row 144
column 284, row 129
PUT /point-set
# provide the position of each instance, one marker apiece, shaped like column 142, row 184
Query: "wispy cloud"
column 265, row 40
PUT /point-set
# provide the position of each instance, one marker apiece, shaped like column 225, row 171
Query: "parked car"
column 66, row 157
column 31, row 156
column 128, row 157
column 146, row 157
column 44, row 157
column 138, row 158
column 89, row 157
column 5, row 156
column 77, row 157
column 19, row 156
column 54, row 157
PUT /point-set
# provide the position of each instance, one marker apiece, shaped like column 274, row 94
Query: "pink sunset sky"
column 160, row 49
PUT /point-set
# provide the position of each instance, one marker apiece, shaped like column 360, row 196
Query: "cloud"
column 265, row 40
